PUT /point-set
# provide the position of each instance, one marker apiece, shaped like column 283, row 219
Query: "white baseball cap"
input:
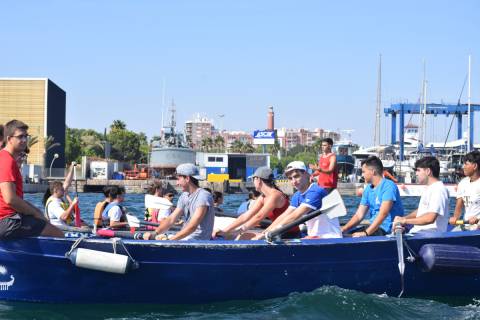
column 295, row 165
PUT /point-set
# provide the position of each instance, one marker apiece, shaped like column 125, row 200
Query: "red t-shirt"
column 327, row 180
column 9, row 172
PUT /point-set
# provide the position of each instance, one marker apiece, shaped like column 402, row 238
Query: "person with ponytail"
column 271, row 204
column 57, row 210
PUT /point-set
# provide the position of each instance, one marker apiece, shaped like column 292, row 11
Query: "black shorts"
column 21, row 226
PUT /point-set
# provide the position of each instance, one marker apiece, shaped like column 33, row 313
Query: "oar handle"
column 270, row 236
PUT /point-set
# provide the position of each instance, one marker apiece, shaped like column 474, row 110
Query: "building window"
column 219, row 159
column 211, row 159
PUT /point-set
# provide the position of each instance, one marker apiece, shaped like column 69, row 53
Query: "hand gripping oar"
column 76, row 209
column 401, row 262
column 332, row 206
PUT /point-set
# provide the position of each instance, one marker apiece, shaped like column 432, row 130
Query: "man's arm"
column 296, row 214
column 246, row 216
column 426, row 218
column 458, row 211
column 192, row 224
column 280, row 220
column 166, row 223
column 68, row 178
column 356, row 219
column 268, row 206
column 385, row 208
column 21, row 206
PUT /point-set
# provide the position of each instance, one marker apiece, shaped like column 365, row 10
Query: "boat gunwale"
column 243, row 244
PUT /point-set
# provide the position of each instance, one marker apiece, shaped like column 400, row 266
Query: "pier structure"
column 457, row 110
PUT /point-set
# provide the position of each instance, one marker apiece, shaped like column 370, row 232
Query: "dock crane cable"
column 458, row 103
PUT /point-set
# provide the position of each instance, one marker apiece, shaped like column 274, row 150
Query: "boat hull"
column 210, row 271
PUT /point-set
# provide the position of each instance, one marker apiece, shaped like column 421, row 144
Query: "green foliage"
column 242, row 147
column 126, row 145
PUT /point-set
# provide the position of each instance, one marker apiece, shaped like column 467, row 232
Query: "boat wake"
column 324, row 303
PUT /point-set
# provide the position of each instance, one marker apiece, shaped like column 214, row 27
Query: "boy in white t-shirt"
column 468, row 191
column 432, row 212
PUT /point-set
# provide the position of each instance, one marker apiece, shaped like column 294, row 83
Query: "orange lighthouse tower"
column 270, row 119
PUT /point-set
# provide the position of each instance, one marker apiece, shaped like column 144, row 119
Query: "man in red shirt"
column 326, row 170
column 18, row 218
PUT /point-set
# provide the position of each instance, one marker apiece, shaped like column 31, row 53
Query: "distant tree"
column 118, row 125
column 242, row 147
column 73, row 145
column 125, row 145
column 206, row 144
column 219, row 143
column 236, row 146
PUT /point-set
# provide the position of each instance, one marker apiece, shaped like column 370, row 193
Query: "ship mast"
column 376, row 137
column 424, row 111
column 173, row 123
column 469, row 115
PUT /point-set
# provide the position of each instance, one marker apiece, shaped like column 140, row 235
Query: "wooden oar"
column 264, row 223
column 134, row 222
column 332, row 205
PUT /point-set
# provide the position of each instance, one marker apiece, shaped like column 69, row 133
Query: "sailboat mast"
column 469, row 136
column 424, row 111
column 376, row 137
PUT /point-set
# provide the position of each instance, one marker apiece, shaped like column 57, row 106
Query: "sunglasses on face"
column 22, row 136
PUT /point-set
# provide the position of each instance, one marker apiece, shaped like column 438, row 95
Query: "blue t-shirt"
column 387, row 190
column 311, row 198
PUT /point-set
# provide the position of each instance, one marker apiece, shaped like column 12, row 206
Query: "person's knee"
column 52, row 231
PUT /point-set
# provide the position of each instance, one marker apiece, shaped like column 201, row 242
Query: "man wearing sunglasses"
column 18, row 218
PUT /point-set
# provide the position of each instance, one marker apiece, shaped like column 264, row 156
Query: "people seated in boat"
column 114, row 215
column 18, row 218
column 308, row 198
column 217, row 202
column 432, row 213
column 159, row 191
column 249, row 203
column 468, row 191
column 381, row 197
column 100, row 206
column 271, row 204
column 59, row 212
column 326, row 170
column 195, row 204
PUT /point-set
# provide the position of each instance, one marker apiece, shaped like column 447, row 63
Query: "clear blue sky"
column 314, row 61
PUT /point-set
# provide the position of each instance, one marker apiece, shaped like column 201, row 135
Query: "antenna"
column 221, row 116
column 469, row 122
column 376, row 137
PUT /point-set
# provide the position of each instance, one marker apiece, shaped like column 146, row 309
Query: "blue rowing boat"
column 179, row 272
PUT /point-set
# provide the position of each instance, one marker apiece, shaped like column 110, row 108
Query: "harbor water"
column 323, row 303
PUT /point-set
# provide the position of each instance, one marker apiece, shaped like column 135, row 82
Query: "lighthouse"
column 270, row 119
